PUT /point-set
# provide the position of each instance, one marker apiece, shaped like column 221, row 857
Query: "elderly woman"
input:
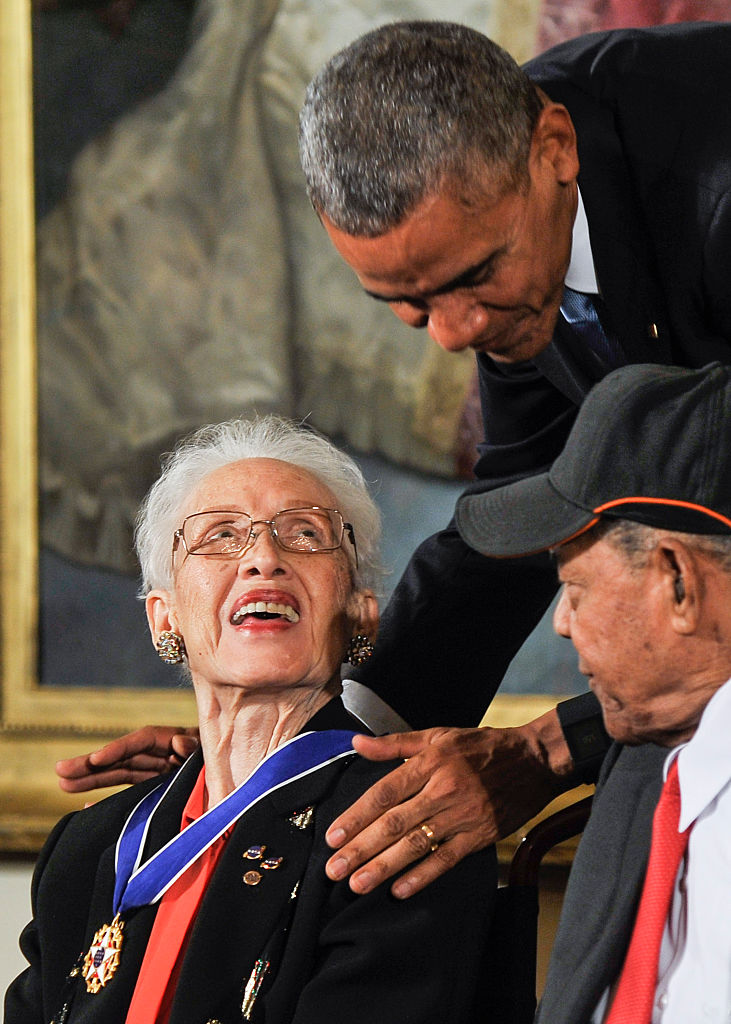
column 204, row 898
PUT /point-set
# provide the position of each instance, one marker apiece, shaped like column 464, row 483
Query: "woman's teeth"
column 268, row 609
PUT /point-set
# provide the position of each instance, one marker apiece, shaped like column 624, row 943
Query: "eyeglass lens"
column 222, row 533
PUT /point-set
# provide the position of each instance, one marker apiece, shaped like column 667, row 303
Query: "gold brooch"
column 301, row 819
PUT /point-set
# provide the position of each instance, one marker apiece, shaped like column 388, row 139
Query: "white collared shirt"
column 581, row 275
column 371, row 710
column 694, row 976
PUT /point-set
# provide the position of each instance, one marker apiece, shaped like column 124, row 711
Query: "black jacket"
column 335, row 956
column 651, row 111
column 604, row 887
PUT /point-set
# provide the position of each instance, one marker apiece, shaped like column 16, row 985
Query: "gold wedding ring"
column 429, row 833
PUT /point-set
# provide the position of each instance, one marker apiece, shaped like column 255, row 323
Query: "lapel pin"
column 253, row 986
column 301, row 819
column 271, row 863
column 256, row 852
column 63, row 1014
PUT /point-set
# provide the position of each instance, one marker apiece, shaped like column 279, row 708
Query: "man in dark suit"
column 637, row 510
column 467, row 193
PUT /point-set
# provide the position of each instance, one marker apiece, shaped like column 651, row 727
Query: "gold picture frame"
column 39, row 724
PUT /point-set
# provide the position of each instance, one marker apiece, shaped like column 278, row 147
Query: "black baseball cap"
column 650, row 443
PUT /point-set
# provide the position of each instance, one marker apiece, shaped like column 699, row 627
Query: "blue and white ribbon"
column 137, row 884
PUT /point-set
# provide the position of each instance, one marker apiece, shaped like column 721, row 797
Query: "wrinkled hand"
column 471, row 786
column 152, row 750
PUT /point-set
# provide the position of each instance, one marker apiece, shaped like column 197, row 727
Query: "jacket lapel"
column 634, row 310
column 239, row 924
column 111, row 1002
column 623, row 258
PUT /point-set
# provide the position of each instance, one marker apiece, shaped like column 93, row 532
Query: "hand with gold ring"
column 429, row 833
column 467, row 786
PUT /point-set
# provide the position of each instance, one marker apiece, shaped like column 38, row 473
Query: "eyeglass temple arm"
column 348, row 527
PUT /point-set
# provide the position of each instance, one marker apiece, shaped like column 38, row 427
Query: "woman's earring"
column 170, row 647
column 359, row 649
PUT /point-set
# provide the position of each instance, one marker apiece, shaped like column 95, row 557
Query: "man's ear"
column 554, row 140
column 364, row 613
column 160, row 613
column 682, row 583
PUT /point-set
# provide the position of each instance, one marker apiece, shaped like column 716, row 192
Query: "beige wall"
column 15, row 902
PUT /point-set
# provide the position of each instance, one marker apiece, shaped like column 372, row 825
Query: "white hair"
column 270, row 437
column 638, row 540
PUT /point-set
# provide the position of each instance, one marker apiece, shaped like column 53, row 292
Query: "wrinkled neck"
column 239, row 729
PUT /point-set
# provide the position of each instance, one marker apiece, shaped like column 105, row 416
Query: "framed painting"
column 42, row 719
column 38, row 723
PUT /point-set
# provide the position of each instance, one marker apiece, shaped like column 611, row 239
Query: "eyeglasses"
column 228, row 534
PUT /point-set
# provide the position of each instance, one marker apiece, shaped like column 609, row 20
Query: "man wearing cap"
column 637, row 511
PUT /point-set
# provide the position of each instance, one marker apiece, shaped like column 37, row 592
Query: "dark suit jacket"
column 604, row 886
column 336, row 958
column 653, row 121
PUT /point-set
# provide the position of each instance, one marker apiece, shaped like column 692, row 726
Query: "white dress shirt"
column 581, row 275
column 371, row 710
column 694, row 976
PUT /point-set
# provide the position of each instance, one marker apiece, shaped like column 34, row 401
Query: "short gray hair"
column 270, row 437
column 407, row 110
column 637, row 541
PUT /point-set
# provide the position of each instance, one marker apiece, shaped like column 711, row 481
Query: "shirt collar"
column 704, row 763
column 581, row 275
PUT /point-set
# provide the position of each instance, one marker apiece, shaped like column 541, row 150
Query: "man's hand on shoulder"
column 466, row 787
column 152, row 750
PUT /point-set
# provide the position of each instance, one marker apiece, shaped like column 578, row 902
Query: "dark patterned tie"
column 638, row 980
column 579, row 310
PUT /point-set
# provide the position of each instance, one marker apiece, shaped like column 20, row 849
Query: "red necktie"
column 638, row 980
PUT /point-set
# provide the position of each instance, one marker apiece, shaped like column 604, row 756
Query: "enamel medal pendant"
column 102, row 960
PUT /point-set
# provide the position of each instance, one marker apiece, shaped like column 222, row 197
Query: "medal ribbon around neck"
column 136, row 886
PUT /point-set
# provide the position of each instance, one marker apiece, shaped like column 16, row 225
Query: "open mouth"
column 264, row 610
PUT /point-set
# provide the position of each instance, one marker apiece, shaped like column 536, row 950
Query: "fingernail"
column 337, row 868
column 401, row 889
column 362, row 882
column 335, row 836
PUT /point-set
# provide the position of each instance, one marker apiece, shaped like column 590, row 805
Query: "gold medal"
column 102, row 960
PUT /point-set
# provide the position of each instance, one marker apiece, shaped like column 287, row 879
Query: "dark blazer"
column 653, row 121
column 335, row 956
column 604, row 886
